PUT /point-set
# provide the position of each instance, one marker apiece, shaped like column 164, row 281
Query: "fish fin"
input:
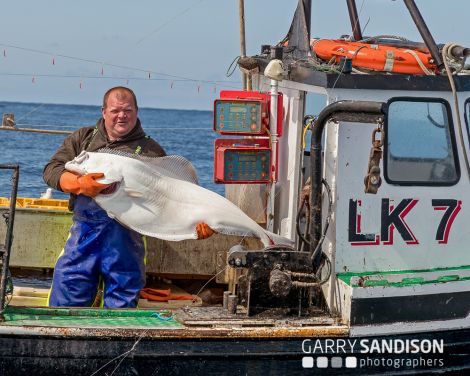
column 175, row 166
column 278, row 239
column 133, row 192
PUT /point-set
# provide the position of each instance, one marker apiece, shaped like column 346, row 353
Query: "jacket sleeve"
column 69, row 149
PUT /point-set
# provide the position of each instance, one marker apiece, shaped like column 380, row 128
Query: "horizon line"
column 99, row 106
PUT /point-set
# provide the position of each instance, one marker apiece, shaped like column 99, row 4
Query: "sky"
column 173, row 54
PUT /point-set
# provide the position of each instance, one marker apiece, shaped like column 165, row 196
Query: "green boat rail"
column 89, row 318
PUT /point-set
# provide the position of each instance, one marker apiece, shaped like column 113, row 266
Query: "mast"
column 425, row 33
column 299, row 31
column 241, row 11
column 308, row 15
column 354, row 17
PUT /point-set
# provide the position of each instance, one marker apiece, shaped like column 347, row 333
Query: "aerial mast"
column 241, row 11
column 354, row 17
column 425, row 33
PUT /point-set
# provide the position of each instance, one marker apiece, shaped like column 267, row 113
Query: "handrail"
column 6, row 250
column 352, row 111
column 15, row 129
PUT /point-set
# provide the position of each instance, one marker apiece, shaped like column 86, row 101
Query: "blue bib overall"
column 98, row 247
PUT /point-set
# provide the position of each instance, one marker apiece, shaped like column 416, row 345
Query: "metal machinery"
column 285, row 277
column 377, row 203
column 375, row 172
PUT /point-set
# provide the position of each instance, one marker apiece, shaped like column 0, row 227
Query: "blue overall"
column 98, row 246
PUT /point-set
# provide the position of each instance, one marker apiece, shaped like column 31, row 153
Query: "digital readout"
column 247, row 158
column 238, row 109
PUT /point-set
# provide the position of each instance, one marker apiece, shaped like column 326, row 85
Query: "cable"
column 306, row 128
column 209, row 281
column 327, row 221
column 167, row 22
column 232, row 64
column 117, row 78
column 356, row 24
column 30, row 112
column 308, row 121
column 297, row 225
column 327, row 277
column 101, row 63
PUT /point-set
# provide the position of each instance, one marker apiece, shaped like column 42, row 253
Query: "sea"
column 188, row 133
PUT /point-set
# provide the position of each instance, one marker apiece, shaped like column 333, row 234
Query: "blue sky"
column 186, row 45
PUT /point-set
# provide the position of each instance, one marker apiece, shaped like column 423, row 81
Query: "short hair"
column 119, row 89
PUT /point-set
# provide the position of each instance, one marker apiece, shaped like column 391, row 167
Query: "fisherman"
column 98, row 247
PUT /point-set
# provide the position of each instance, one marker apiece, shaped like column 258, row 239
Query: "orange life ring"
column 378, row 57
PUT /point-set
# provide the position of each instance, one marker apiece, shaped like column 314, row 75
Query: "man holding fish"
column 98, row 246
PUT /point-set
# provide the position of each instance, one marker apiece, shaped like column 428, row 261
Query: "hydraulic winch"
column 276, row 277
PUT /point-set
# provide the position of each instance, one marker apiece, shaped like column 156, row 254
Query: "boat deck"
column 185, row 322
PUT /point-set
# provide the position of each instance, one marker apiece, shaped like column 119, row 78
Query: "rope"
column 358, row 16
column 101, row 63
column 30, row 112
column 458, row 62
column 233, row 66
column 420, row 63
column 129, row 78
column 375, row 38
column 358, row 71
column 167, row 22
column 164, row 316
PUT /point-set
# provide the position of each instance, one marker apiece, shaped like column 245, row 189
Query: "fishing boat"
column 371, row 189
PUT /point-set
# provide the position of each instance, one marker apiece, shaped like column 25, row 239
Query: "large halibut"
column 161, row 198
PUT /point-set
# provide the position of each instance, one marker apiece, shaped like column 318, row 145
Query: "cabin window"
column 467, row 116
column 420, row 146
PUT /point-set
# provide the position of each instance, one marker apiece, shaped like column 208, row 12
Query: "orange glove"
column 82, row 185
column 203, row 231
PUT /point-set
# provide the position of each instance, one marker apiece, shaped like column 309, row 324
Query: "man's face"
column 120, row 115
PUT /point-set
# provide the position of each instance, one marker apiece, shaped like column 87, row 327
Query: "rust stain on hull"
column 201, row 333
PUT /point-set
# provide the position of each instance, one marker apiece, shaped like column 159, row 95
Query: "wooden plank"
column 28, row 301
column 37, row 297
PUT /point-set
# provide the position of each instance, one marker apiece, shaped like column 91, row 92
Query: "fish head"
column 89, row 162
column 78, row 164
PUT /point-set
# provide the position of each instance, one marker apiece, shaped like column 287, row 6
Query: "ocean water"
column 183, row 132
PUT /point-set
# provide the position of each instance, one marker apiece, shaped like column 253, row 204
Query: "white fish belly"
column 153, row 201
column 170, row 209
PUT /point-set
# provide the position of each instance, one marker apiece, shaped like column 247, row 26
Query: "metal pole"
column 425, row 33
column 9, row 236
column 33, row 130
column 356, row 111
column 273, row 135
column 308, row 15
column 354, row 17
column 241, row 10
